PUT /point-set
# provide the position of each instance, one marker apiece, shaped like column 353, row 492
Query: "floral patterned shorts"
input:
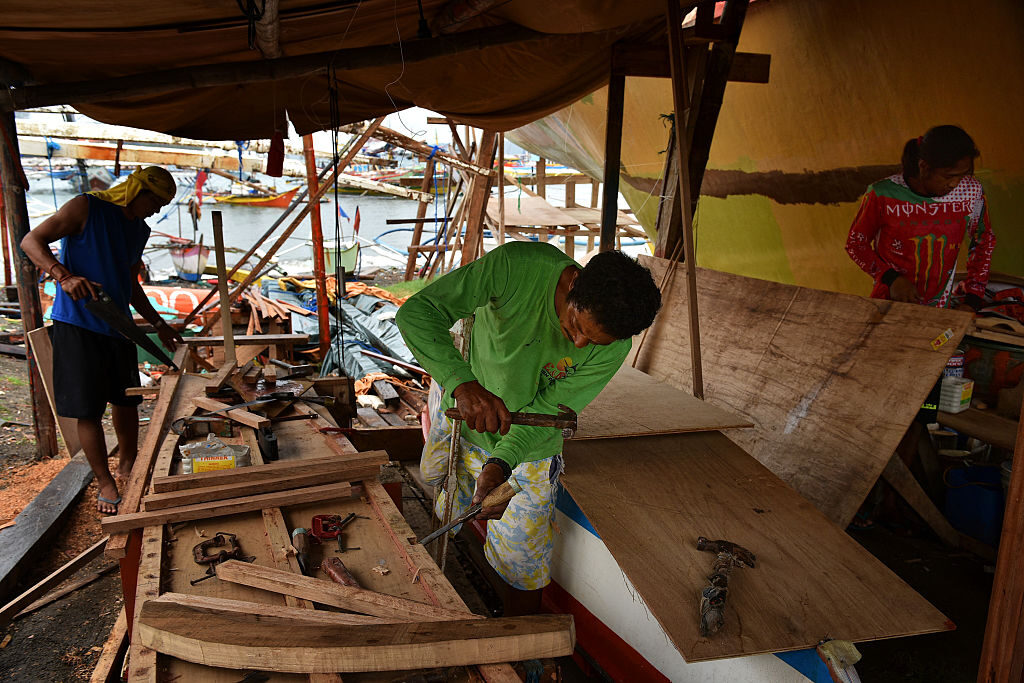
column 519, row 544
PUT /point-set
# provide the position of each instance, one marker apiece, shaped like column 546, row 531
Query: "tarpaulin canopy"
column 512, row 64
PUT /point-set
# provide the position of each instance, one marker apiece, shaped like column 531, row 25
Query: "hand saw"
column 104, row 308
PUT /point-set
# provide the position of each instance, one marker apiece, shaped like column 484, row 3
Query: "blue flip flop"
column 111, row 502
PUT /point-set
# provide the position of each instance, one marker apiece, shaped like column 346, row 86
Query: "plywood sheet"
column 812, row 581
column 830, row 381
column 635, row 404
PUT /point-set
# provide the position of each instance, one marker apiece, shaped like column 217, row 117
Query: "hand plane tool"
column 499, row 496
column 712, row 598
column 104, row 308
column 566, row 419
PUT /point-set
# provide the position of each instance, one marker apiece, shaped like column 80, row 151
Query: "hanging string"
column 339, row 270
column 52, row 147
column 252, row 15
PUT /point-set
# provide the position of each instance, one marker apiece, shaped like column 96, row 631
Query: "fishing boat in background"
column 190, row 260
column 276, row 201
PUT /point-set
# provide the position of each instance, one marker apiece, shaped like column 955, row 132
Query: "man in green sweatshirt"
column 546, row 332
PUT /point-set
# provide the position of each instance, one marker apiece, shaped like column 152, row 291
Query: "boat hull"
column 277, row 201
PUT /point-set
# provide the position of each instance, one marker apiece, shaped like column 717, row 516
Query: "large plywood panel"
column 812, row 581
column 636, row 404
column 830, row 381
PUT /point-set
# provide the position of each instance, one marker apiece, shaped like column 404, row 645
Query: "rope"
column 51, row 147
column 252, row 15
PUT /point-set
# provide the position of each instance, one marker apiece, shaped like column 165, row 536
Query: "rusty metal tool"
column 211, row 552
column 712, row 598
column 499, row 496
column 566, row 419
column 338, row 572
column 303, row 370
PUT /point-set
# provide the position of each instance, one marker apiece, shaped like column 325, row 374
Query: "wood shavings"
column 416, row 576
column 381, row 568
column 199, row 532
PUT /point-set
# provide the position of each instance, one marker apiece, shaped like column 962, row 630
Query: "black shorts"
column 91, row 370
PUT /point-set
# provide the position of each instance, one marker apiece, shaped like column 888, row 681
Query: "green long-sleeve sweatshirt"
column 517, row 351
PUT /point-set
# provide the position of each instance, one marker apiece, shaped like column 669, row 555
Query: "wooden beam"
column 334, row 594
column 261, row 71
column 220, row 377
column 222, row 289
column 151, row 390
column 8, row 611
column 648, row 61
column 250, row 340
column 14, row 186
column 612, row 158
column 680, row 98
column 286, row 645
column 350, row 466
column 68, row 587
column 141, row 659
column 900, row 477
column 206, row 605
column 478, row 197
column 424, row 150
column 162, row 501
column 186, row 513
column 108, row 666
column 237, row 414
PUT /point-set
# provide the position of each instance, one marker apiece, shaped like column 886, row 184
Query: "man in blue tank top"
column 102, row 237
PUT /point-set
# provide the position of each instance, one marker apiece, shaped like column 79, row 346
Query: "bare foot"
column 124, row 471
column 107, row 499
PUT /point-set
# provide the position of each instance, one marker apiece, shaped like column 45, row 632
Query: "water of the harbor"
column 382, row 245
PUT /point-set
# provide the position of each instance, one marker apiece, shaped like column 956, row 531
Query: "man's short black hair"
column 618, row 292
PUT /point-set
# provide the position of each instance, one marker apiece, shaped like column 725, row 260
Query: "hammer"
column 565, row 420
column 712, row 598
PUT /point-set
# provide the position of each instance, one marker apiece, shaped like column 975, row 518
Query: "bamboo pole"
column 12, row 179
column 680, row 99
column 319, row 268
column 222, row 288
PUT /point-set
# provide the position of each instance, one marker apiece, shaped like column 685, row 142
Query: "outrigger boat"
column 277, row 201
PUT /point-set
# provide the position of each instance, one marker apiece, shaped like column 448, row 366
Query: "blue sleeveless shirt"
column 105, row 252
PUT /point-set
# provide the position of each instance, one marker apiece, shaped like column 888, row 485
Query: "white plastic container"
column 955, row 395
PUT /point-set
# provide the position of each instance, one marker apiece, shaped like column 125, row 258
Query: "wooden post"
column 319, row 270
column 479, row 195
column 5, row 240
column 222, row 287
column 501, row 188
column 612, row 157
column 421, row 212
column 595, row 194
column 541, row 178
column 680, row 99
column 16, row 211
column 1002, row 660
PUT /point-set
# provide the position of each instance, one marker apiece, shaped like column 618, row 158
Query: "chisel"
column 499, row 496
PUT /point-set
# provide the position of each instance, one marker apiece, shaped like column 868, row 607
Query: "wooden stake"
column 680, row 99
column 319, row 269
column 479, row 195
column 222, row 287
column 12, row 179
column 501, row 188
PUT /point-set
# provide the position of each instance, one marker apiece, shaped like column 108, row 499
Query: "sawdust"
column 20, row 484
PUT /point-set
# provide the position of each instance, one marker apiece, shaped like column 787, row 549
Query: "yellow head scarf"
column 153, row 178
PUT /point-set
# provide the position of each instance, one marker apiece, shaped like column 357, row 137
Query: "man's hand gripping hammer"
column 566, row 419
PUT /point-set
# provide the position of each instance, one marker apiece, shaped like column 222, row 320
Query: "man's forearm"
column 38, row 252
column 145, row 308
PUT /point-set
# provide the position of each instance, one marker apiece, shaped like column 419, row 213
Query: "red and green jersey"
column 920, row 237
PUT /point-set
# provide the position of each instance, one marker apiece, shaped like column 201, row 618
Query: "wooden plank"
column 108, row 669
column 220, row 377
column 250, row 340
column 286, row 645
column 900, row 477
column 162, row 501
column 151, row 390
column 237, row 414
column 12, row 608
column 141, row 659
column 386, row 392
column 831, row 381
column 203, row 605
column 39, row 522
column 127, row 522
column 635, row 404
column 42, row 350
column 401, row 443
column 334, row 594
column 69, row 587
column 282, row 468
column 982, row 424
column 131, row 495
column 370, row 418
column 811, row 578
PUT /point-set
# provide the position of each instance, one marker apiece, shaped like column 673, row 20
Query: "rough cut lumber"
column 902, row 479
column 151, row 390
column 39, row 340
column 108, row 667
column 334, row 594
column 811, row 577
column 982, row 424
column 636, row 404
column 8, row 611
column 141, row 659
column 830, row 381
column 69, row 587
column 250, row 340
column 162, row 501
column 237, row 414
column 264, row 643
column 203, row 605
column 39, row 522
column 131, row 495
column 282, row 468
column 220, row 377
column 311, row 494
